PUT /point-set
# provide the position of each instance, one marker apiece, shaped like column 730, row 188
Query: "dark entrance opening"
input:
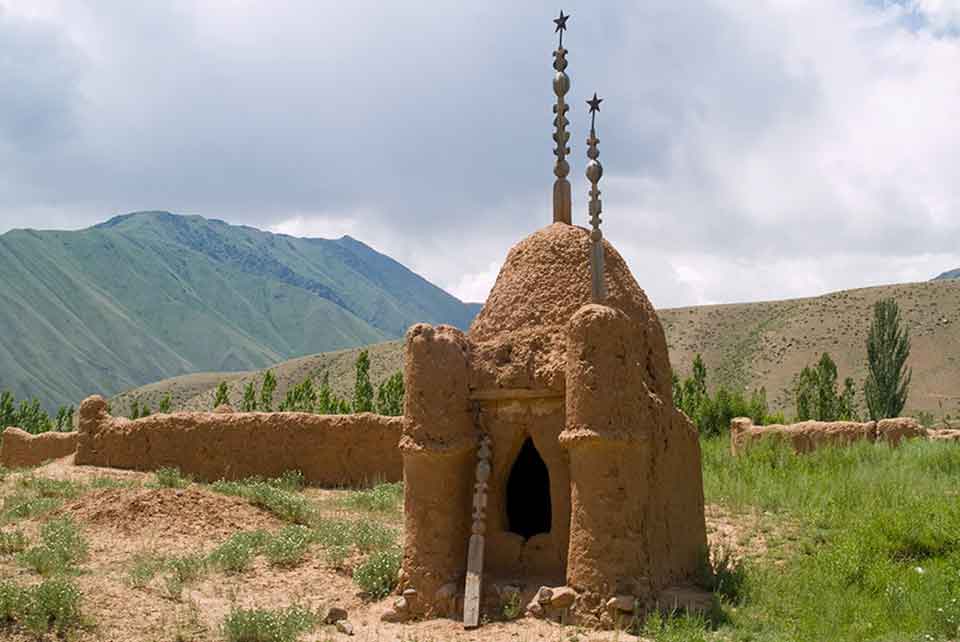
column 528, row 493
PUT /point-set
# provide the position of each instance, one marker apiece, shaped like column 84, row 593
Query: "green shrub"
column 61, row 546
column 289, row 546
column 511, row 607
column 12, row 542
column 236, row 554
column 723, row 576
column 712, row 415
column 262, row 625
column 53, row 604
column 11, row 601
column 171, row 478
column 377, row 575
column 24, row 505
column 373, row 536
column 337, row 555
column 380, row 498
column 278, row 496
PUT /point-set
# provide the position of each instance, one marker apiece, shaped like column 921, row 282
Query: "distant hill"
column 766, row 344
column 952, row 274
column 151, row 295
column 746, row 345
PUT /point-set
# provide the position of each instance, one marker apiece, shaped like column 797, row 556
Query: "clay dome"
column 518, row 338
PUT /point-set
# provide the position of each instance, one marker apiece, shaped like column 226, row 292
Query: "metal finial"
column 598, row 289
column 561, row 85
column 561, row 23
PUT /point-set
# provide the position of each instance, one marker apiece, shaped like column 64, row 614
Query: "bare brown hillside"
column 768, row 343
column 744, row 345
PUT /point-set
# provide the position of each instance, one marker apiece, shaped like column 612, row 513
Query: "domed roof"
column 519, row 338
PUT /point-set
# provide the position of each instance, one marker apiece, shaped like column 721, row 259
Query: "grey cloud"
column 728, row 130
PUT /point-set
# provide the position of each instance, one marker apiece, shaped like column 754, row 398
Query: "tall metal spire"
column 561, row 85
column 598, row 289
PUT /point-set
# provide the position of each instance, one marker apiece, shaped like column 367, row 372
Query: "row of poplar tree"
column 816, row 392
column 308, row 397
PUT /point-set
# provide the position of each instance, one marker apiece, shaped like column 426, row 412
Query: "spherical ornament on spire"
column 594, row 171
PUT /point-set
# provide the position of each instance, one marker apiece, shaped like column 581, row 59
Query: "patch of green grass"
column 382, row 498
column 61, row 546
column 52, row 605
column 25, row 505
column 378, row 574
column 373, row 536
column 881, row 554
column 236, row 554
column 278, row 496
column 38, row 495
column 47, row 487
column 144, row 568
column 365, row 535
column 676, row 628
column 171, row 478
column 12, row 542
column 3, row 471
column 180, row 571
column 289, row 546
column 105, row 482
column 263, row 625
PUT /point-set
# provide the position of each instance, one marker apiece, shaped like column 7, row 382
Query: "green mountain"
column 952, row 274
column 150, row 295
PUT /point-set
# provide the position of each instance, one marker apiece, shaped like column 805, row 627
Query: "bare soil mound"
column 167, row 511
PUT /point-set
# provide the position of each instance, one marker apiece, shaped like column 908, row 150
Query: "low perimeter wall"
column 20, row 449
column 810, row 435
column 330, row 450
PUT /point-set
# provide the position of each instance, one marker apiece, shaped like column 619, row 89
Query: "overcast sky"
column 753, row 149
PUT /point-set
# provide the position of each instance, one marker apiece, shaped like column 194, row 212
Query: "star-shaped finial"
column 594, row 103
column 561, row 22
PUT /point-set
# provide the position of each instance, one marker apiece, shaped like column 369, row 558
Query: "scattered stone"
column 562, row 597
column 622, row 603
column 335, row 614
column 545, row 595
column 535, row 609
column 345, row 627
column 223, row 409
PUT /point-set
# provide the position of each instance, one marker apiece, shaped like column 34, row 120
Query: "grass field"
column 866, row 541
column 853, row 544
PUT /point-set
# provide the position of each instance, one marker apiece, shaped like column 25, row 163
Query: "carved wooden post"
column 472, row 591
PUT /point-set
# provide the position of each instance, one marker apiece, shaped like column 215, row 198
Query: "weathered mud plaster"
column 330, row 450
column 595, row 477
column 20, row 449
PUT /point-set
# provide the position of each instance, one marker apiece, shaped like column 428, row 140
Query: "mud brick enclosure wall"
column 330, row 450
column 809, row 435
column 20, row 449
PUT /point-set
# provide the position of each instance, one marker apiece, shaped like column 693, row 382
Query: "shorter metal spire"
column 598, row 289
column 561, row 85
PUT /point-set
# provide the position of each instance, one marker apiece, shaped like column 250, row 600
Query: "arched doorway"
column 528, row 493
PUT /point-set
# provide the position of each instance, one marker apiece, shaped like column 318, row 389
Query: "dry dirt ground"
column 744, row 344
column 121, row 523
